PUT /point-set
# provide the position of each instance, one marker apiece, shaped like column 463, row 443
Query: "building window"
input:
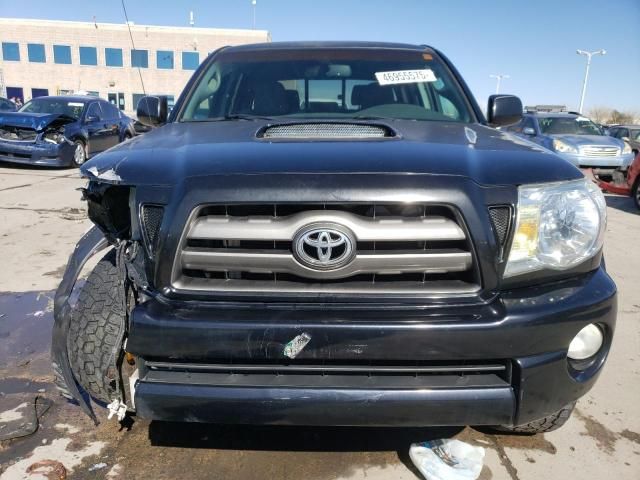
column 116, row 99
column 62, row 54
column 10, row 51
column 136, row 99
column 88, row 56
column 113, row 57
column 15, row 93
column 39, row 92
column 140, row 58
column 164, row 59
column 190, row 60
column 36, row 53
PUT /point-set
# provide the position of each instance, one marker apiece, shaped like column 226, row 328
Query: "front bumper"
column 44, row 154
column 226, row 363
column 621, row 161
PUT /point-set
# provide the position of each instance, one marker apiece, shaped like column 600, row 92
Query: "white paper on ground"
column 447, row 459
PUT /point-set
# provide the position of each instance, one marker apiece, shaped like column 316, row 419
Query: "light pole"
column 499, row 79
column 253, row 5
column 586, row 72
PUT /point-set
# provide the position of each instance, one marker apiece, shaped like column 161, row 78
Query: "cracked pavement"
column 42, row 217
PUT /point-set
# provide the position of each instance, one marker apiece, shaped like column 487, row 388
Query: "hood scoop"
column 326, row 131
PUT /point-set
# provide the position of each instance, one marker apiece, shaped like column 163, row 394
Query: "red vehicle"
column 629, row 186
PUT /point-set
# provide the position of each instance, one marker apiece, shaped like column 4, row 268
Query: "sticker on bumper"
column 295, row 346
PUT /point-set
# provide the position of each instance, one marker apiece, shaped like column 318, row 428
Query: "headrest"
column 370, row 95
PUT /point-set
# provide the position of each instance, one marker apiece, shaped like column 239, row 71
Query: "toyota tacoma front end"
column 333, row 234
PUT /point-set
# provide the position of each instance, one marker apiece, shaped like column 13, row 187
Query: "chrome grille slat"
column 593, row 151
column 365, row 229
column 258, row 287
column 405, row 249
column 284, row 262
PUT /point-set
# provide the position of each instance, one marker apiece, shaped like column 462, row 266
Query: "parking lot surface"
column 41, row 219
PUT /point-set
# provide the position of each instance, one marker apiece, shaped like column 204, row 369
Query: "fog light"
column 586, row 343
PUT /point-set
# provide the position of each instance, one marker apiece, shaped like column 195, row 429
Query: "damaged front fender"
column 91, row 243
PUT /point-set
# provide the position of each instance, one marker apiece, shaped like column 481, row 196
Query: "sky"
column 533, row 41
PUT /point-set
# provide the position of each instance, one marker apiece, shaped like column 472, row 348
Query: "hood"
column 35, row 121
column 177, row 151
column 597, row 140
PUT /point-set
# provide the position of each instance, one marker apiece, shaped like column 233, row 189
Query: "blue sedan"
column 61, row 131
column 575, row 138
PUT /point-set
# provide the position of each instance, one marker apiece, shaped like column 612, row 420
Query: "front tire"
column 545, row 424
column 79, row 153
column 97, row 323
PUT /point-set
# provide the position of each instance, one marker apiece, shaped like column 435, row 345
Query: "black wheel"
column 545, row 424
column 635, row 192
column 79, row 153
column 96, row 324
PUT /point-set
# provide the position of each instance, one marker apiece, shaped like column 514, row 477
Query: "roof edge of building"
column 135, row 27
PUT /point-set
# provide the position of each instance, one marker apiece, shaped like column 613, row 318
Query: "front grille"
column 18, row 134
column 151, row 220
column 501, row 221
column 397, row 248
column 14, row 154
column 326, row 130
column 598, row 152
column 336, row 373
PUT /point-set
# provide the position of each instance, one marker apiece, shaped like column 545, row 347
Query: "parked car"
column 61, row 131
column 603, row 127
column 378, row 255
column 575, row 138
column 629, row 134
column 627, row 185
column 7, row 105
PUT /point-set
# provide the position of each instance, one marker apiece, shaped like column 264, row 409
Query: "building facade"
column 44, row 57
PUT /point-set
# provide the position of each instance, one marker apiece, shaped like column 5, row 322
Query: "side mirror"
column 152, row 111
column 90, row 119
column 626, row 139
column 504, row 110
column 529, row 131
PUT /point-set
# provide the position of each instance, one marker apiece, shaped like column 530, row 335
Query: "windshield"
column 568, row 126
column 54, row 106
column 327, row 83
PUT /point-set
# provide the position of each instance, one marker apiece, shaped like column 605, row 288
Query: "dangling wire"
column 133, row 45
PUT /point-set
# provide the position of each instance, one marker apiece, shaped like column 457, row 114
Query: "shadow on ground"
column 624, row 204
column 296, row 439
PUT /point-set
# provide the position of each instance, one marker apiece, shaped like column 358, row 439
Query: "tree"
column 600, row 114
column 617, row 117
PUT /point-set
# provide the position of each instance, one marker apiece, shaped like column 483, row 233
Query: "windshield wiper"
column 229, row 117
column 371, row 117
column 244, row 116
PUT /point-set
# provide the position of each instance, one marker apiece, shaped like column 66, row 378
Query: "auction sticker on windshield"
column 406, row 76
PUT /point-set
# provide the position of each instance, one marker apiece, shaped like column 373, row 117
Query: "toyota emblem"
column 324, row 248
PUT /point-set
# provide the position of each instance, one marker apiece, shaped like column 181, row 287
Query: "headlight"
column 558, row 226
column 54, row 137
column 626, row 149
column 562, row 147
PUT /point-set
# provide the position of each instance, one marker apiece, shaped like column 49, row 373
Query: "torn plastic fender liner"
column 91, row 243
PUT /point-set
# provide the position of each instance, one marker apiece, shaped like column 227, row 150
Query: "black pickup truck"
column 334, row 234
